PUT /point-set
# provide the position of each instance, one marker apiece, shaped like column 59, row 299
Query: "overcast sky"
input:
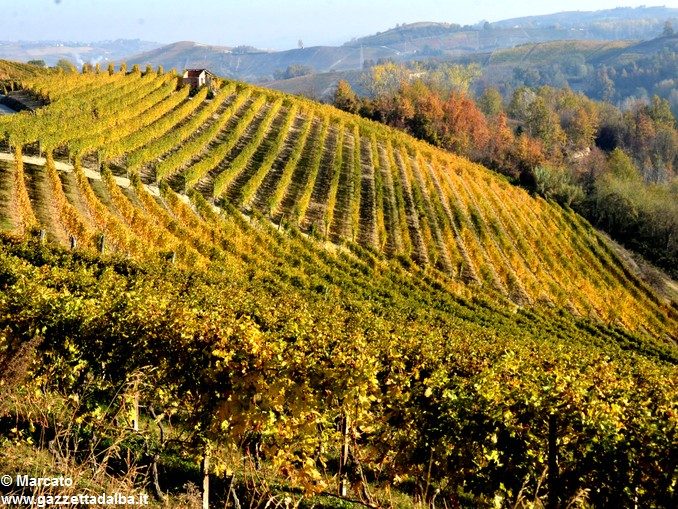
column 262, row 23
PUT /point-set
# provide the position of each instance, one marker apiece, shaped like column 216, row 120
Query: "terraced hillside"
column 283, row 286
column 336, row 176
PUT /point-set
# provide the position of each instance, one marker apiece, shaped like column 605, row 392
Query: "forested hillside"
column 317, row 304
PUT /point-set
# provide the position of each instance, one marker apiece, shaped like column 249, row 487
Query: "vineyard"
column 269, row 267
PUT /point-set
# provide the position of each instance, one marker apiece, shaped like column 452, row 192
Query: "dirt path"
column 67, row 167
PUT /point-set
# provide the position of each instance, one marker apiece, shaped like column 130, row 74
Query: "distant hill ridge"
column 417, row 40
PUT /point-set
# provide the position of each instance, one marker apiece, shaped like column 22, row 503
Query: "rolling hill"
column 268, row 265
column 340, row 178
column 51, row 52
column 571, row 63
column 415, row 41
column 257, row 65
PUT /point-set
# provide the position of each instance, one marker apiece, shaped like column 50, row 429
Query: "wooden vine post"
column 552, row 476
column 343, row 459
column 205, row 470
column 135, row 405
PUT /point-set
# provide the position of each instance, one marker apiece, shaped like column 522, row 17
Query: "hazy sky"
column 262, row 23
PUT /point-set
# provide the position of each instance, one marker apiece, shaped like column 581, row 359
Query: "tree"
column 446, row 78
column 491, row 103
column 464, row 126
column 543, row 123
column 418, row 107
column 345, row 98
column 39, row 63
column 386, row 78
column 498, row 152
column 660, row 112
column 66, row 66
column 581, row 127
column 520, row 103
column 668, row 29
column 604, row 85
column 557, row 183
column 293, row 71
column 621, row 166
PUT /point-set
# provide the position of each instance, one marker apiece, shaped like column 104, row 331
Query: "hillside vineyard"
column 334, row 175
column 251, row 264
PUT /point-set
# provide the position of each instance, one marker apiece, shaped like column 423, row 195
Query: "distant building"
column 196, row 78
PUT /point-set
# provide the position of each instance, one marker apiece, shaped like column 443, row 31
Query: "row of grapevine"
column 122, row 123
column 191, row 248
column 213, row 159
column 172, row 138
column 171, row 113
column 298, row 194
column 44, row 208
column 411, row 215
column 8, row 213
column 23, row 210
column 72, row 86
column 427, row 202
column 366, row 215
column 199, row 143
column 69, row 119
column 280, row 185
column 248, row 190
column 399, row 194
column 308, row 206
column 107, row 116
column 356, row 186
column 68, row 215
column 136, row 219
column 132, row 118
column 393, row 242
column 118, row 235
column 340, row 228
column 232, row 169
column 465, row 268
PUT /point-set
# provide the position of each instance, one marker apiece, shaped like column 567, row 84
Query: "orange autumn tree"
column 499, row 146
column 464, row 127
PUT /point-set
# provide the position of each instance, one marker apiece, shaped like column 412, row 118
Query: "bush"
column 557, row 184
